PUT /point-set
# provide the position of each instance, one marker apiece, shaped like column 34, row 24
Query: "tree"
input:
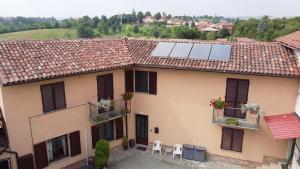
column 103, row 27
column 96, row 20
column 193, row 25
column 212, row 35
column 119, row 27
column 104, row 18
column 133, row 16
column 135, row 29
column 224, row 33
column 85, row 32
column 101, row 154
column 169, row 16
column 113, row 28
column 157, row 16
column 86, row 21
column 156, row 32
column 148, row 13
column 140, row 17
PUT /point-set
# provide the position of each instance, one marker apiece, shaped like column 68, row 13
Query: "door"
column 105, row 87
column 4, row 164
column 141, row 130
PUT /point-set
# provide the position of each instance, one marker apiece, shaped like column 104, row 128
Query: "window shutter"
column 40, row 153
column 129, row 81
column 47, row 98
column 110, row 86
column 26, row 162
column 59, row 93
column 231, row 90
column 95, row 135
column 75, row 143
column 243, row 88
column 119, row 128
column 237, row 140
column 153, row 83
column 226, row 138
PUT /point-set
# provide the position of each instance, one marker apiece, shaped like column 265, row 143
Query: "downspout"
column 290, row 158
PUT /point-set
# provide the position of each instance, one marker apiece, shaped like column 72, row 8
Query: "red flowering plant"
column 217, row 103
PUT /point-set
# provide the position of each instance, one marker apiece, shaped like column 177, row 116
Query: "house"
column 53, row 92
column 225, row 25
column 148, row 20
column 291, row 41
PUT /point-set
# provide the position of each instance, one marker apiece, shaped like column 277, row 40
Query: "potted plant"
column 106, row 104
column 125, row 143
column 232, row 121
column 217, row 103
column 218, row 106
column 127, row 96
column 125, row 111
column 253, row 108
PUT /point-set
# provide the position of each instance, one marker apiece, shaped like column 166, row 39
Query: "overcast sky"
column 77, row 8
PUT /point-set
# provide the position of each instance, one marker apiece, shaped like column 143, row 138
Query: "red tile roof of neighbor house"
column 292, row 40
column 284, row 126
column 27, row 61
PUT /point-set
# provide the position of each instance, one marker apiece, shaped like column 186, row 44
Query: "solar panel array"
column 192, row 51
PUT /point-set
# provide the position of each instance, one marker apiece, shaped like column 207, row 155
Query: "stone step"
column 270, row 166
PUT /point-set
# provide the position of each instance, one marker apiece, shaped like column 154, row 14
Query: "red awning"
column 285, row 126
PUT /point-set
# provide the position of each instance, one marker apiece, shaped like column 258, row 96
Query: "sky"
column 78, row 8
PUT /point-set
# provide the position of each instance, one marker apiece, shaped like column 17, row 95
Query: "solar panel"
column 220, row 52
column 163, row 49
column 181, row 50
column 200, row 51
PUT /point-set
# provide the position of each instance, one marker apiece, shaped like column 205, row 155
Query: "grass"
column 41, row 34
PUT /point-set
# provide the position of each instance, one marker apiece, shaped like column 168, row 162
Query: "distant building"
column 228, row 26
column 209, row 29
column 148, row 20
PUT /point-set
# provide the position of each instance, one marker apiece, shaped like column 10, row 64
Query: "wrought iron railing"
column 100, row 114
column 236, row 118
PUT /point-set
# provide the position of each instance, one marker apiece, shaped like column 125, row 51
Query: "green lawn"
column 41, row 34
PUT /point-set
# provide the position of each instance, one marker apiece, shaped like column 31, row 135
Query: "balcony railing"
column 100, row 114
column 236, row 118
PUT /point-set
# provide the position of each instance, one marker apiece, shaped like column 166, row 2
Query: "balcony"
column 107, row 110
column 236, row 118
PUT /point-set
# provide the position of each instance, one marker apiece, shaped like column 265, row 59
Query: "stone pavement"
column 137, row 159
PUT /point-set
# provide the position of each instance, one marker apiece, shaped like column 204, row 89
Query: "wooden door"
column 141, row 129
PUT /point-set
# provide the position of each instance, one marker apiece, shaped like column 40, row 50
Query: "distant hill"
column 41, row 34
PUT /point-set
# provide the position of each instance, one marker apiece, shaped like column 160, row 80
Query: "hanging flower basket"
column 106, row 104
column 253, row 108
column 217, row 103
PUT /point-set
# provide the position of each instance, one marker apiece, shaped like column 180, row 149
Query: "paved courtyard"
column 137, row 159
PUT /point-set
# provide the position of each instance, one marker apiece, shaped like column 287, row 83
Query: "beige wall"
column 181, row 110
column 23, row 107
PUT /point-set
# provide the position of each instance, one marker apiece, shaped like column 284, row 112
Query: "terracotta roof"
column 23, row 61
column 26, row 61
column 292, row 39
column 261, row 58
column 284, row 126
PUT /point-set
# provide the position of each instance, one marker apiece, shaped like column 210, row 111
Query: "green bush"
column 101, row 154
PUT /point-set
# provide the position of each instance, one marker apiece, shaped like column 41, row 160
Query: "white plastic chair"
column 157, row 144
column 177, row 150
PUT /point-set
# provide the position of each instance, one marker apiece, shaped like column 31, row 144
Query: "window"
column 5, row 164
column 141, row 81
column 107, row 131
column 111, row 130
column 236, row 94
column 232, row 139
column 53, row 96
column 57, row 148
column 146, row 82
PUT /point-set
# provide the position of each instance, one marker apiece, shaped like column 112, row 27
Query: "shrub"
column 101, row 154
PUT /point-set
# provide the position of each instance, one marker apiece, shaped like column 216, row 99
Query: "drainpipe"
column 290, row 158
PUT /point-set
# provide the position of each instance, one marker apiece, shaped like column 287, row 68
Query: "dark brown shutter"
column 26, row 162
column 119, row 128
column 226, row 138
column 237, row 140
column 59, row 94
column 129, row 81
column 40, row 153
column 152, row 83
column 242, row 93
column 110, row 86
column 47, row 98
column 231, row 90
column 95, row 135
column 75, row 145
